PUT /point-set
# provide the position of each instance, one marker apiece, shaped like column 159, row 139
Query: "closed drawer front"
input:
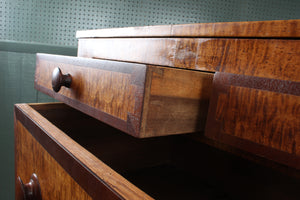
column 142, row 100
column 271, row 58
column 78, row 157
column 265, row 49
column 259, row 115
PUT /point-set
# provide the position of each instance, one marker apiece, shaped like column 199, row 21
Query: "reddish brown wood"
column 109, row 91
column 156, row 51
column 60, row 152
column 271, row 58
column 258, row 115
column 279, row 59
column 255, row 29
column 280, row 28
column 168, row 167
column 172, row 101
column 31, row 157
column 176, row 101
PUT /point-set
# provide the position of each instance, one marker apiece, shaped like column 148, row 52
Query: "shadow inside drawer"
column 172, row 167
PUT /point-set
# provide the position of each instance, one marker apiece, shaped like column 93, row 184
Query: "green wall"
column 16, row 86
column 31, row 26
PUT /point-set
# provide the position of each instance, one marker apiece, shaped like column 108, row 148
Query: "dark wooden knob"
column 30, row 190
column 59, row 79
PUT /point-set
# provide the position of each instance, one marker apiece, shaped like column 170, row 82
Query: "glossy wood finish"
column 32, row 157
column 142, row 100
column 176, row 101
column 60, row 151
column 109, row 91
column 107, row 86
column 271, row 58
column 280, row 28
column 59, row 80
column 30, row 190
column 170, row 167
column 259, row 115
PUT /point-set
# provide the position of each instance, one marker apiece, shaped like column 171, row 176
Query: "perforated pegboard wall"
column 56, row 21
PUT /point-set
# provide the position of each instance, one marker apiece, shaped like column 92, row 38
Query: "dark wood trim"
column 77, row 170
column 259, row 83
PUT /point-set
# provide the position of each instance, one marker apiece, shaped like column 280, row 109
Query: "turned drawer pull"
column 59, row 79
column 30, row 190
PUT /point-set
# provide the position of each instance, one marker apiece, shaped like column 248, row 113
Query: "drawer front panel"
column 109, row 91
column 141, row 100
column 257, row 114
column 31, row 157
column 269, row 58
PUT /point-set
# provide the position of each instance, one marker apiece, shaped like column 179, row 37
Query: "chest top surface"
column 251, row 29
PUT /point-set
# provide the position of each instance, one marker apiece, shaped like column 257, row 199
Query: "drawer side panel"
column 176, row 101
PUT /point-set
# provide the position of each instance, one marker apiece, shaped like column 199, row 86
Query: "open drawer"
column 141, row 100
column 78, row 157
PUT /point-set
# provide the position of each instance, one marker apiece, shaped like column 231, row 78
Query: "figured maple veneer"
column 142, row 100
column 270, row 58
column 78, row 157
column 259, row 115
column 65, row 169
column 31, row 157
column 264, row 29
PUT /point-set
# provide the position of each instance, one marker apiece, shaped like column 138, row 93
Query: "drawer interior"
column 172, row 167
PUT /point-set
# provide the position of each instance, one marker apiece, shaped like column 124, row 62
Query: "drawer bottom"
column 167, row 181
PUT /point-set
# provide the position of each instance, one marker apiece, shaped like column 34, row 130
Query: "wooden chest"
column 223, row 95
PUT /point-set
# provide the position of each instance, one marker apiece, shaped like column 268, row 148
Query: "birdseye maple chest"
column 195, row 111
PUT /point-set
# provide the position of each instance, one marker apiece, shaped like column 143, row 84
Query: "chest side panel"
column 31, row 157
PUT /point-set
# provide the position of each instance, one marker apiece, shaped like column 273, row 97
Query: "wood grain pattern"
column 89, row 84
column 92, row 174
column 271, row 58
column 255, row 113
column 31, row 157
column 279, row 59
column 110, row 91
column 175, row 102
column 264, row 117
column 154, row 51
column 168, row 167
column 279, row 28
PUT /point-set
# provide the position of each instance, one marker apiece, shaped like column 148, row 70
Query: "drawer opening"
column 172, row 167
